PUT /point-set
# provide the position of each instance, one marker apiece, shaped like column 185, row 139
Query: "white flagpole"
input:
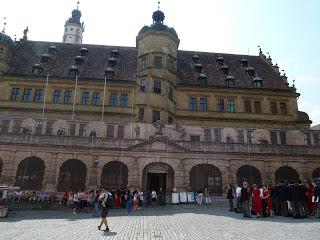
column 74, row 96
column 45, row 96
column 104, row 97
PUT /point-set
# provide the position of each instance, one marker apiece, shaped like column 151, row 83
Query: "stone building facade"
column 82, row 116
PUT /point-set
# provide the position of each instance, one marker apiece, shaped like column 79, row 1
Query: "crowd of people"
column 295, row 199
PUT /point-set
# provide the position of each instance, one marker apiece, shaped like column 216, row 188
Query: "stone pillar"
column 135, row 176
column 50, row 175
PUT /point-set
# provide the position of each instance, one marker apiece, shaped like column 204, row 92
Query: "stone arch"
column 114, row 175
column 316, row 173
column 30, row 173
column 158, row 175
column 286, row 174
column 203, row 175
column 249, row 174
column 72, row 176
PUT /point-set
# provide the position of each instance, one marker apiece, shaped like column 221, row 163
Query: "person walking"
column 153, row 197
column 244, row 200
column 207, row 195
column 200, row 197
column 106, row 199
column 136, row 201
column 238, row 194
column 230, row 197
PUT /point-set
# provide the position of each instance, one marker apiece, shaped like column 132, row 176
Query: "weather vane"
column 293, row 83
column 4, row 25
column 158, row 5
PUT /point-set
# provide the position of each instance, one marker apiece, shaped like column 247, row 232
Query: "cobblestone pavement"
column 169, row 222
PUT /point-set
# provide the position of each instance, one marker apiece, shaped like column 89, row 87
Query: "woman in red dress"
column 256, row 200
column 311, row 205
column 118, row 199
column 266, row 197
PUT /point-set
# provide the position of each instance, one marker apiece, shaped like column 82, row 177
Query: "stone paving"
column 169, row 222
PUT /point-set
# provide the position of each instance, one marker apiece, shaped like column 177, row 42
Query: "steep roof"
column 28, row 53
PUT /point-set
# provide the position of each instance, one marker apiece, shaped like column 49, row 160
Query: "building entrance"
column 156, row 181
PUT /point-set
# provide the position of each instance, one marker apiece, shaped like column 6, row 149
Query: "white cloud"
column 312, row 109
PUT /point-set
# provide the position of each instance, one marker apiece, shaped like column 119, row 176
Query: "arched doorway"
column 72, row 176
column 286, row 174
column 249, row 174
column 203, row 175
column 114, row 175
column 316, row 173
column 158, row 175
column 30, row 173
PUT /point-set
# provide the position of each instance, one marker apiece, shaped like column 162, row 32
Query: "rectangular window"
column 170, row 65
column 27, row 94
column 207, row 135
column 194, row 138
column 217, row 135
column 72, row 130
column 250, row 136
column 170, row 94
column 274, row 137
column 96, row 98
column 110, row 131
column 82, row 130
column 143, row 86
column 141, row 114
column 157, row 87
column 158, row 62
column 257, row 107
column 67, row 97
column 38, row 130
column 85, row 97
column 247, row 106
column 113, row 99
column 220, row 105
column 230, row 105
column 121, row 132
column 155, row 116
column 49, row 128
column 38, row 95
column 307, row 138
column 15, row 94
column 283, row 108
column 144, row 63
column 202, row 104
column 316, row 138
column 124, row 100
column 240, row 136
column 192, row 104
column 273, row 108
column 283, row 138
column 4, row 126
column 17, row 126
column 56, row 96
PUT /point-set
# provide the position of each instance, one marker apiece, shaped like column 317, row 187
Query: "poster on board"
column 183, row 197
column 191, row 197
column 175, row 197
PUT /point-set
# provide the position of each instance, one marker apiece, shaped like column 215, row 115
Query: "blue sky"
column 287, row 29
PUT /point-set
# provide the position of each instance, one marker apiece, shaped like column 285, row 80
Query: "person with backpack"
column 106, row 203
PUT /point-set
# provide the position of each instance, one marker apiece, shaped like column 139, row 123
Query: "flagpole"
column 74, row 97
column 104, row 97
column 45, row 96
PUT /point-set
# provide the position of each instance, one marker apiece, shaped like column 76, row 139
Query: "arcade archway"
column 206, row 175
column 114, row 175
column 72, row 176
column 249, row 174
column 30, row 173
column 286, row 174
column 316, row 173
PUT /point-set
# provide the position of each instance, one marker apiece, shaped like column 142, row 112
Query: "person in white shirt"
column 207, row 195
column 238, row 193
column 140, row 199
column 153, row 197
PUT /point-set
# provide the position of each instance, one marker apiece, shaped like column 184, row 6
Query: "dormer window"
column 250, row 71
column 230, row 81
column 79, row 60
column 112, row 62
column 52, row 50
column 45, row 58
column 198, row 67
column 244, row 62
column 84, row 52
column 114, row 53
column 202, row 79
column 257, row 82
column 37, row 69
column 73, row 71
column 224, row 69
column 109, row 72
column 220, row 61
column 195, row 59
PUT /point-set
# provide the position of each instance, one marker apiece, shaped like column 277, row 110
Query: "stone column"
column 50, row 175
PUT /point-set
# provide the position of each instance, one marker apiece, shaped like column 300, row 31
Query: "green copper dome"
column 5, row 39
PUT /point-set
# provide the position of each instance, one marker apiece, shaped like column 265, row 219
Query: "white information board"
column 183, row 197
column 191, row 197
column 175, row 197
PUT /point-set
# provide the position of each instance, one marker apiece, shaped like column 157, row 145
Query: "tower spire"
column 4, row 25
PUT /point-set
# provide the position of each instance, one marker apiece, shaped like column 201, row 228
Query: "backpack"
column 107, row 201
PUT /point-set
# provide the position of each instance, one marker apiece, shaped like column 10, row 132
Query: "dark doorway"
column 156, row 181
column 316, row 173
column 286, row 174
column 114, row 175
column 249, row 174
column 30, row 174
column 72, row 176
